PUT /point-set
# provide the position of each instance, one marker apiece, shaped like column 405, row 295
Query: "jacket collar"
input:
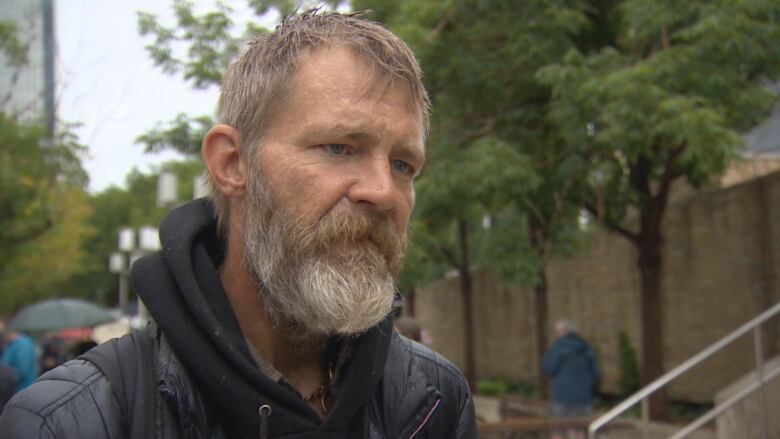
column 182, row 291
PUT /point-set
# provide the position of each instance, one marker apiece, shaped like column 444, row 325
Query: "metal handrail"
column 641, row 395
column 720, row 408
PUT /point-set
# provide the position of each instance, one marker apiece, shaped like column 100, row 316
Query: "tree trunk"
column 468, row 315
column 538, row 241
column 649, row 243
column 540, row 308
column 411, row 296
column 651, row 268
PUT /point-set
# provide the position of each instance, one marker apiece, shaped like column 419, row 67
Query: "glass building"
column 29, row 91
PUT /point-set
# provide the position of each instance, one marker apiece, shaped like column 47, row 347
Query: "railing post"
column 758, row 344
column 643, row 394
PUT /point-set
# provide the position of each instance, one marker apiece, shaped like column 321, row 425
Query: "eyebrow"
column 341, row 130
column 357, row 134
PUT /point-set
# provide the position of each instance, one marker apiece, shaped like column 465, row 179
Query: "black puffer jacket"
column 206, row 384
column 420, row 396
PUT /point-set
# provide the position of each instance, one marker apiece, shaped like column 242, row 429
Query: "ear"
column 222, row 157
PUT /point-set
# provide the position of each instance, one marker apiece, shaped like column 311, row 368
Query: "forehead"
column 337, row 69
column 335, row 84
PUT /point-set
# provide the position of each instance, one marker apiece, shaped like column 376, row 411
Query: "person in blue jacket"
column 19, row 353
column 571, row 364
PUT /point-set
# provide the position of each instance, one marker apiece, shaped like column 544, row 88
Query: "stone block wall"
column 503, row 320
column 756, row 414
column 722, row 267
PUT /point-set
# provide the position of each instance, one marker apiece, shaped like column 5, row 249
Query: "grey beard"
column 307, row 289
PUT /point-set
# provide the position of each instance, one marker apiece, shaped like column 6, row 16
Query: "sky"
column 110, row 86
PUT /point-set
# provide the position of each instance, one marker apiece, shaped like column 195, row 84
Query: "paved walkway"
column 488, row 409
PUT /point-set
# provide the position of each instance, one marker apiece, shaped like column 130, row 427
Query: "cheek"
column 316, row 195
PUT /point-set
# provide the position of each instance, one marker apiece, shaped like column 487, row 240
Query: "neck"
column 305, row 369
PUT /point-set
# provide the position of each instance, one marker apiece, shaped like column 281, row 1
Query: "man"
column 9, row 378
column 273, row 299
column 53, row 355
column 571, row 363
column 19, row 354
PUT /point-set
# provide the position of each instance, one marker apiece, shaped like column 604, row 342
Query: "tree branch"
column 617, row 228
column 665, row 37
column 449, row 256
column 665, row 184
column 443, row 22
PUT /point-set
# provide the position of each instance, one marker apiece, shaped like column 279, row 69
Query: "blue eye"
column 335, row 148
column 403, row 167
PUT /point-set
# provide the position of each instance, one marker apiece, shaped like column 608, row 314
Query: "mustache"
column 354, row 227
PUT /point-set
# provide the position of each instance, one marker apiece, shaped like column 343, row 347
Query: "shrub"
column 629, row 370
column 491, row 387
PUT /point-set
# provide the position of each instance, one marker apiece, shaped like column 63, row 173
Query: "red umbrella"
column 74, row 333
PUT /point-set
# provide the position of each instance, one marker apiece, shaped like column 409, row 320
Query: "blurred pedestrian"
column 19, row 353
column 82, row 347
column 53, row 355
column 571, row 364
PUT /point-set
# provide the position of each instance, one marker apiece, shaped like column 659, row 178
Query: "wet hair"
column 258, row 82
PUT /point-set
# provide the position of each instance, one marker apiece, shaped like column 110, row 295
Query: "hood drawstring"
column 265, row 412
column 426, row 419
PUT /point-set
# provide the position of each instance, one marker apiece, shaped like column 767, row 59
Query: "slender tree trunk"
column 411, row 296
column 649, row 243
column 538, row 240
column 468, row 315
column 651, row 268
column 540, row 308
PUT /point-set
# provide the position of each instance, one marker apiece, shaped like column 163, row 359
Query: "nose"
column 375, row 186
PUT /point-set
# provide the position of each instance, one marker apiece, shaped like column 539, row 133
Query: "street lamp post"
column 118, row 262
column 166, row 189
column 134, row 243
column 117, row 265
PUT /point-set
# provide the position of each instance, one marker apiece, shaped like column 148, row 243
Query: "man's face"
column 329, row 196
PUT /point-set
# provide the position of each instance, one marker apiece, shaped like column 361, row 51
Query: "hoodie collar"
column 181, row 288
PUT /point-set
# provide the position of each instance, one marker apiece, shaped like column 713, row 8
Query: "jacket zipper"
column 425, row 419
column 265, row 412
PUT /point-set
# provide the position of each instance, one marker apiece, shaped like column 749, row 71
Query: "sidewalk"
column 489, row 411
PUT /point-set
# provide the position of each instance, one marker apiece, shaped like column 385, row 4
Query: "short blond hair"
column 257, row 83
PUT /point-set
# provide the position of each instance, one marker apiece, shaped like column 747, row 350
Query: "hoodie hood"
column 182, row 291
column 574, row 343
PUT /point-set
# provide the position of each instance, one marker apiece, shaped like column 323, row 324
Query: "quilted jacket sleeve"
column 72, row 401
column 456, row 418
column 466, row 427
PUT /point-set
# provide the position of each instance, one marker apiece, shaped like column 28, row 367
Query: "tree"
column 659, row 92
column 43, row 207
column 183, row 134
column 211, row 41
column 14, row 53
column 493, row 156
column 43, row 212
column 114, row 208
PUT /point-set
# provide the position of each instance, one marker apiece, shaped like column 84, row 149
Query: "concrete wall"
column 745, row 419
column 722, row 267
column 503, row 325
